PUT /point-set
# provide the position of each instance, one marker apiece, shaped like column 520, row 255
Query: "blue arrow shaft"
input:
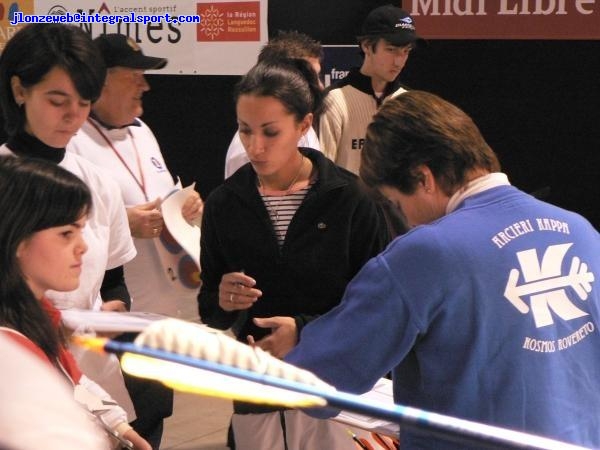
column 445, row 427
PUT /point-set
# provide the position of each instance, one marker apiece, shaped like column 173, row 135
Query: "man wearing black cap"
column 115, row 138
column 387, row 36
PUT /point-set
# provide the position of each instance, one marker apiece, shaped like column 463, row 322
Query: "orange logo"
column 229, row 21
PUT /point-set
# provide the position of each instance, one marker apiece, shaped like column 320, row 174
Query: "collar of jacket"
column 363, row 83
column 330, row 176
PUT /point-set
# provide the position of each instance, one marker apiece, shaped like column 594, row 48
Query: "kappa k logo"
column 545, row 285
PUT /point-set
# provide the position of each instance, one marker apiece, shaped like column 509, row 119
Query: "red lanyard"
column 140, row 182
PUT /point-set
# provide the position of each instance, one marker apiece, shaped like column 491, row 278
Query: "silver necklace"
column 273, row 207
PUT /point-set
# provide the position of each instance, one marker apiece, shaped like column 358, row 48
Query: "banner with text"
column 337, row 62
column 216, row 37
column 506, row 19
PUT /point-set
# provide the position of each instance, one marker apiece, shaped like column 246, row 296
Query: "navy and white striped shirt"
column 281, row 209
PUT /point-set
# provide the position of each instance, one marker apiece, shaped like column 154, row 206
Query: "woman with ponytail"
column 281, row 238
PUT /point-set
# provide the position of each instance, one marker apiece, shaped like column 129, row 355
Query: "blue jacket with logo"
column 491, row 314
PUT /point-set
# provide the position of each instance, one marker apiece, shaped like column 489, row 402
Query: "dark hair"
column 290, row 44
column 369, row 41
column 36, row 195
column 418, row 128
column 372, row 41
column 35, row 50
column 291, row 81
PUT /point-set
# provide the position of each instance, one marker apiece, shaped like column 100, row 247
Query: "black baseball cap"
column 392, row 24
column 120, row 50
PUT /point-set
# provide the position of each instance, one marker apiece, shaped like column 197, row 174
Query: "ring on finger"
column 230, row 298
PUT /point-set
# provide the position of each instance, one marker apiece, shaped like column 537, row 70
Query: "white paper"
column 382, row 392
column 186, row 235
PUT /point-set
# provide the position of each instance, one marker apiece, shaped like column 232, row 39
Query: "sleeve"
column 121, row 248
column 331, row 126
column 377, row 333
column 370, row 233
column 114, row 287
column 213, row 266
column 114, row 416
column 302, row 320
column 38, row 410
column 108, row 203
column 368, row 237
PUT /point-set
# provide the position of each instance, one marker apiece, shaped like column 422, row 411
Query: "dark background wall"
column 536, row 102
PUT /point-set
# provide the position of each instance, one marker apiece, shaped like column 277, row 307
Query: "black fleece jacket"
column 334, row 232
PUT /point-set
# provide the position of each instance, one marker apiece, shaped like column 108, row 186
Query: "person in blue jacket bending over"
column 487, row 309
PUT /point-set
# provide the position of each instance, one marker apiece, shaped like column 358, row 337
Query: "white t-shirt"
column 236, row 155
column 156, row 277
column 106, row 234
